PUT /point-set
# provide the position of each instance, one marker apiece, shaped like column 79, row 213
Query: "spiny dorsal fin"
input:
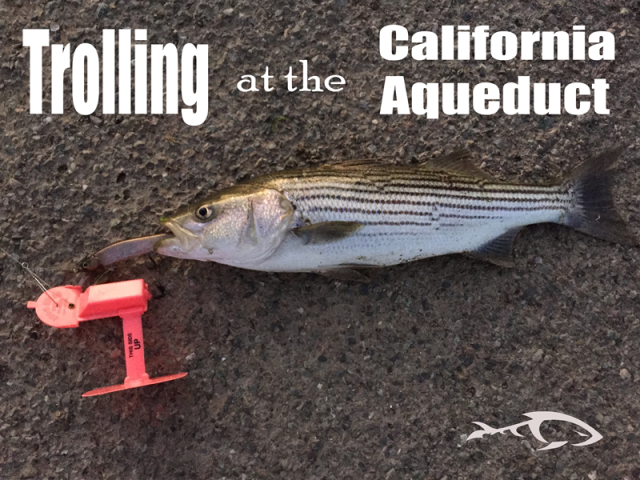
column 326, row 232
column 458, row 162
column 498, row 250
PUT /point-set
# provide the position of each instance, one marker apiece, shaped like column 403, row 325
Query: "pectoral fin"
column 498, row 250
column 326, row 232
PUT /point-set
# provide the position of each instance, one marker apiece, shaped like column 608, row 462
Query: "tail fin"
column 593, row 211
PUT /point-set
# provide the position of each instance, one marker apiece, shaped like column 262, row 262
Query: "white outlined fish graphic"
column 537, row 418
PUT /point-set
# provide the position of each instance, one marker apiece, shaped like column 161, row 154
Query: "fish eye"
column 204, row 212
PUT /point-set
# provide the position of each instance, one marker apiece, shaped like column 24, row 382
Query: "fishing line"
column 41, row 283
column 102, row 275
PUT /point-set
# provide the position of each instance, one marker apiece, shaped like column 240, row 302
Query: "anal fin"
column 498, row 251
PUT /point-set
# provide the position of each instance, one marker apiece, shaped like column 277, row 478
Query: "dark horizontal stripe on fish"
column 403, row 212
column 451, row 186
column 402, row 223
column 395, row 233
column 398, row 233
column 372, row 212
column 326, row 208
column 303, row 197
column 401, row 188
column 404, row 233
column 468, row 217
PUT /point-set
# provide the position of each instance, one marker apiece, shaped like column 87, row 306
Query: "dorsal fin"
column 498, row 250
column 458, row 162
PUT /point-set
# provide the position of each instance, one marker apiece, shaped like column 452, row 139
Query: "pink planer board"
column 66, row 307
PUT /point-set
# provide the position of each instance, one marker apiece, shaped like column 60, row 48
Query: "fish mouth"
column 183, row 239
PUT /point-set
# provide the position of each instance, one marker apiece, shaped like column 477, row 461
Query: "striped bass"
column 362, row 214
